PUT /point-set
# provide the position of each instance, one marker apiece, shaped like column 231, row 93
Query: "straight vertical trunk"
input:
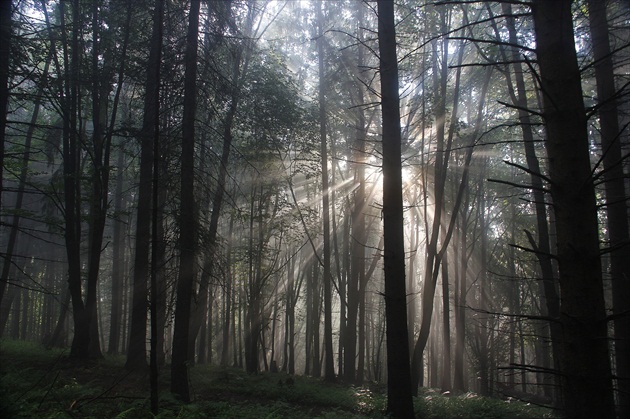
column 72, row 199
column 188, row 215
column 136, row 351
column 616, row 198
column 329, row 366
column 227, row 299
column 157, row 297
column 548, row 285
column 399, row 401
column 584, row 359
column 5, row 55
column 460, row 306
column 446, row 329
column 118, row 243
column 484, row 290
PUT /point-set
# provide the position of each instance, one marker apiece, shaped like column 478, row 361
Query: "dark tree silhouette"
column 5, row 55
column 616, row 198
column 584, row 362
column 399, row 402
column 188, row 215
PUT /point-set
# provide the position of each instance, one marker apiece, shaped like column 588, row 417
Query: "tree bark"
column 15, row 224
column 616, row 198
column 136, row 351
column 157, row 252
column 188, row 215
column 446, row 329
column 461, row 288
column 118, row 243
column 548, row 285
column 72, row 195
column 584, row 359
column 399, row 401
column 5, row 56
column 329, row 366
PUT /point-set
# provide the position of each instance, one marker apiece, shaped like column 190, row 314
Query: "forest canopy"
column 414, row 193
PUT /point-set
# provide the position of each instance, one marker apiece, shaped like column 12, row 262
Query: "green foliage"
column 433, row 405
column 36, row 382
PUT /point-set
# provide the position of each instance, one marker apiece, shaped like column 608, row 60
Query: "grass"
column 36, row 382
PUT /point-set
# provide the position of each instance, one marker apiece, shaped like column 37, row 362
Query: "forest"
column 416, row 196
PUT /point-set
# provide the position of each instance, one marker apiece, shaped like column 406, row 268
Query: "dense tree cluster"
column 413, row 192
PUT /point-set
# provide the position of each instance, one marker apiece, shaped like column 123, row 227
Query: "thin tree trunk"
column 548, row 285
column 227, row 298
column 434, row 257
column 484, row 290
column 432, row 264
column 13, row 233
column 118, row 245
column 446, row 328
column 329, row 366
column 5, row 55
column 157, row 252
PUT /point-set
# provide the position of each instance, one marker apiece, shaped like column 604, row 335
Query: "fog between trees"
column 414, row 193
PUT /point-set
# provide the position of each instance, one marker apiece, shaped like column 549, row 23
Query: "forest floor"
column 36, row 382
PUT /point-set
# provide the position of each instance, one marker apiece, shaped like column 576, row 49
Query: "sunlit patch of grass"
column 433, row 405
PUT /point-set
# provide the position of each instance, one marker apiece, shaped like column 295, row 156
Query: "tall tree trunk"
column 157, row 250
column 446, row 328
column 101, row 146
column 616, row 198
column 13, row 233
column 432, row 262
column 239, row 69
column 584, row 348
column 399, row 401
column 188, row 215
column 252, row 324
column 72, row 198
column 118, row 246
column 548, row 285
column 227, row 299
column 136, row 352
column 434, row 257
column 359, row 236
column 329, row 366
column 484, row 289
column 460, row 302
column 5, row 55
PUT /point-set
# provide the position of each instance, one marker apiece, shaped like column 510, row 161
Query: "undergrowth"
column 38, row 382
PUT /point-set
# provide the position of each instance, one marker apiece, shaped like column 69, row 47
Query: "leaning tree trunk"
column 584, row 361
column 7, row 262
column 399, row 400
